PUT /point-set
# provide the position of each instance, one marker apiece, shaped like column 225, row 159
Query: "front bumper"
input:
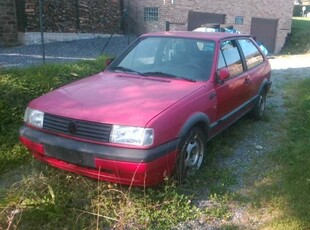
column 137, row 167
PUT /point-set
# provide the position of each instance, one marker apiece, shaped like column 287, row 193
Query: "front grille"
column 77, row 128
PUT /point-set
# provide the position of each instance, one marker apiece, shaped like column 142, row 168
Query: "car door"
column 254, row 64
column 233, row 92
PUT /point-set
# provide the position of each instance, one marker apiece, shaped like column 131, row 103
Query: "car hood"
column 115, row 98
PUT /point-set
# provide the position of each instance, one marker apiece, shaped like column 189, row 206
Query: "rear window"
column 252, row 55
column 230, row 57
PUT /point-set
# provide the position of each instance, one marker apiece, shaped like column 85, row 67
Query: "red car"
column 149, row 114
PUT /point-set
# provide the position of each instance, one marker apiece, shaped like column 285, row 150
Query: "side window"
column 230, row 57
column 221, row 64
column 252, row 55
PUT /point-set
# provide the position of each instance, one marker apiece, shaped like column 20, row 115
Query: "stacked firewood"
column 32, row 15
column 84, row 16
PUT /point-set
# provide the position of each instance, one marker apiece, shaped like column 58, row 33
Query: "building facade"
column 267, row 20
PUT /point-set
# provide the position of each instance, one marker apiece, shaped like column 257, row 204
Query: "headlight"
column 34, row 117
column 132, row 135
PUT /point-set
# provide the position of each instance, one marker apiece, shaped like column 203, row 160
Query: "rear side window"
column 230, row 57
column 252, row 56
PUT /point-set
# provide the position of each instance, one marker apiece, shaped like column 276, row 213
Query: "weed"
column 219, row 208
column 52, row 199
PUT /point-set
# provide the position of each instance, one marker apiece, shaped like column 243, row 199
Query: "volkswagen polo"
column 150, row 113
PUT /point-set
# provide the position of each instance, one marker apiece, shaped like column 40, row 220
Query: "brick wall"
column 177, row 13
column 8, row 25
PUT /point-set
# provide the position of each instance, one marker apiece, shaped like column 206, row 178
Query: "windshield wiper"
column 127, row 70
column 162, row 74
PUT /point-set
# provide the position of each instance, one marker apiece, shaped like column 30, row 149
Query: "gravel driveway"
column 249, row 151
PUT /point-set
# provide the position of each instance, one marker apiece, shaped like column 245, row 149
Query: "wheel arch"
column 200, row 120
column 265, row 86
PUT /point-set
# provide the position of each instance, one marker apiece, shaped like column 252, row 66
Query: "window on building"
column 150, row 14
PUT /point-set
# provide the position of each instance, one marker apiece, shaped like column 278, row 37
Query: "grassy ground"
column 285, row 192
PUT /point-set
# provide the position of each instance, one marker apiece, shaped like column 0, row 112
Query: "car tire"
column 259, row 108
column 191, row 155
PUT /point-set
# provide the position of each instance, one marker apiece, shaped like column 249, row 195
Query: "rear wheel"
column 259, row 108
column 191, row 154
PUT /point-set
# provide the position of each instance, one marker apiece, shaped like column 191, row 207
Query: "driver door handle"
column 247, row 81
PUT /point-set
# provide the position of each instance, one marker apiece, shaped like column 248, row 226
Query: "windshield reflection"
column 184, row 58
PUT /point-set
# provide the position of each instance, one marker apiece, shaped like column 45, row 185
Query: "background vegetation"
column 36, row 196
column 298, row 42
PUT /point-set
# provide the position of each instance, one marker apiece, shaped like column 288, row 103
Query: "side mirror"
column 108, row 61
column 222, row 75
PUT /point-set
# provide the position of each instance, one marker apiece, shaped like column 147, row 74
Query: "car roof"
column 195, row 34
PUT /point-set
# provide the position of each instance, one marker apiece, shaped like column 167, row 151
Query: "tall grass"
column 294, row 184
column 285, row 192
column 51, row 199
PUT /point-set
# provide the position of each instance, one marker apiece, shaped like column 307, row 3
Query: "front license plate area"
column 74, row 157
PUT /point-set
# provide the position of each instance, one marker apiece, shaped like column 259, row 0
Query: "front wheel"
column 191, row 154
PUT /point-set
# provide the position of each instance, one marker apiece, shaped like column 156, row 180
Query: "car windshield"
column 169, row 57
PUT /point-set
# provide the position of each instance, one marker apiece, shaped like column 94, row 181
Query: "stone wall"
column 8, row 24
column 77, row 16
column 176, row 11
